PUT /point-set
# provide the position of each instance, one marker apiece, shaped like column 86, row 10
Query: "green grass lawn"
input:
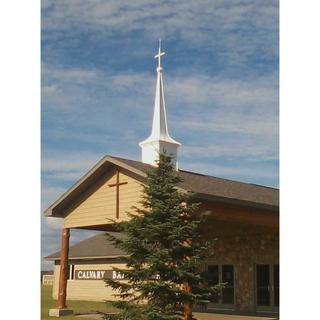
column 77, row 306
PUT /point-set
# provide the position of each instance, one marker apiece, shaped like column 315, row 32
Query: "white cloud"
column 51, row 233
column 54, row 223
column 49, row 193
column 175, row 15
column 231, row 23
column 234, row 123
column 241, row 149
column 67, row 166
column 250, row 174
column 199, row 106
column 198, row 88
column 182, row 88
column 69, row 162
column 195, row 102
column 48, row 90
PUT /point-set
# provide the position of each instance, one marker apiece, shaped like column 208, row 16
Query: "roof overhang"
column 243, row 203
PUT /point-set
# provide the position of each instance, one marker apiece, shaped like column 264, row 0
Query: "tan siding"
column 98, row 206
column 95, row 290
column 55, row 286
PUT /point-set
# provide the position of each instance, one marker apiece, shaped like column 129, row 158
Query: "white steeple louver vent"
column 159, row 141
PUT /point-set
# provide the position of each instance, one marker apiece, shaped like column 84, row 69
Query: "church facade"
column 244, row 218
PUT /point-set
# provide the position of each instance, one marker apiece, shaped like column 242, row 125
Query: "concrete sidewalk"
column 201, row 316
column 215, row 316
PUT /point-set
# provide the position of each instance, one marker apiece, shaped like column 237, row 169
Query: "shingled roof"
column 204, row 187
column 94, row 247
column 217, row 187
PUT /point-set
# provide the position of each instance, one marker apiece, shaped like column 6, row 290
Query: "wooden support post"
column 62, row 294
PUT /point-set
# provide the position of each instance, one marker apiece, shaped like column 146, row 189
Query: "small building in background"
column 47, row 278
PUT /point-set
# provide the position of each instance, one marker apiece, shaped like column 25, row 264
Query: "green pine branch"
column 165, row 250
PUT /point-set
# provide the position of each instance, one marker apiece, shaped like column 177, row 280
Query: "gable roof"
column 94, row 247
column 215, row 188
column 204, row 187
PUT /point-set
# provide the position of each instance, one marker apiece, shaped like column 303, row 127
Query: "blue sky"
column 98, row 81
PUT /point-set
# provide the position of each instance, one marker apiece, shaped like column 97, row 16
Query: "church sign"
column 98, row 275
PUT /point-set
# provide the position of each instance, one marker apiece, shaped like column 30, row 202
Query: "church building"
column 243, row 217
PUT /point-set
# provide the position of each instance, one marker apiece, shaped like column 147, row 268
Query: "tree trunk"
column 187, row 308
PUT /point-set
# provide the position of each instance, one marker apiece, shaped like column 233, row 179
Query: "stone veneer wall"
column 243, row 252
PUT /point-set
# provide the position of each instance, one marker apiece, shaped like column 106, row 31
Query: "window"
column 222, row 274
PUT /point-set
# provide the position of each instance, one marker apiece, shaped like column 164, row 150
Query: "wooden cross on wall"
column 117, row 185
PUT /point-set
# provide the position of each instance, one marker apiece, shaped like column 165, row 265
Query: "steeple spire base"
column 151, row 151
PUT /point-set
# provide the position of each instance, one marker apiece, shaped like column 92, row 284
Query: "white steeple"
column 159, row 141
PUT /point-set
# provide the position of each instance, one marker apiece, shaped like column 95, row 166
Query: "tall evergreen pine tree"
column 165, row 251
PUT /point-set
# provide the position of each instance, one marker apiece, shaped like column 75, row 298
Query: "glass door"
column 227, row 277
column 223, row 274
column 263, row 285
column 267, row 287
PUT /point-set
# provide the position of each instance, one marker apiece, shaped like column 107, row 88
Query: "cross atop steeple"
column 159, row 140
column 159, row 55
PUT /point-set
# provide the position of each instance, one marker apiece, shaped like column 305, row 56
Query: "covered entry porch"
column 245, row 257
